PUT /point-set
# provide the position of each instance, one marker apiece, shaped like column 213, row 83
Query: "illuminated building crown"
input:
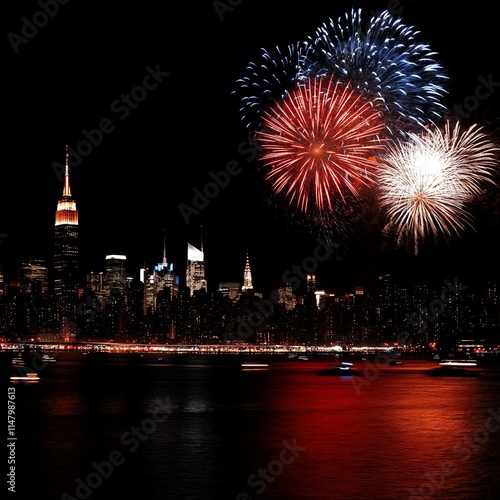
column 66, row 212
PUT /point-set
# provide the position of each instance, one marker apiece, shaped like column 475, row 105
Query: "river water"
column 106, row 426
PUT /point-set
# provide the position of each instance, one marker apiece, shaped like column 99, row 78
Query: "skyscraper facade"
column 66, row 253
column 195, row 269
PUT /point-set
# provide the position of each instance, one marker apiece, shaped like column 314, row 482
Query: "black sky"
column 69, row 75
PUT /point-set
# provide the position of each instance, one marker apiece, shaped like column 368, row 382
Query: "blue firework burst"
column 268, row 80
column 383, row 58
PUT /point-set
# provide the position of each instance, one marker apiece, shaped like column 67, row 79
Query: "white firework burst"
column 425, row 183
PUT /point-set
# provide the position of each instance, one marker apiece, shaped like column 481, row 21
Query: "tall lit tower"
column 195, row 270
column 247, row 276
column 66, row 237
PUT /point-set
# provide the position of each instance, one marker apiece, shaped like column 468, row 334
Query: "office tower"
column 66, row 268
column 195, row 270
column 164, row 275
column 311, row 283
column 285, row 296
column 247, row 277
column 115, row 276
column 34, row 276
column 230, row 289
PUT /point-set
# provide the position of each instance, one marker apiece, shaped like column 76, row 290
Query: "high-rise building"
column 66, row 254
column 115, row 275
column 311, row 283
column 195, row 272
column 34, row 276
column 196, row 278
column 247, row 276
column 165, row 277
column 230, row 289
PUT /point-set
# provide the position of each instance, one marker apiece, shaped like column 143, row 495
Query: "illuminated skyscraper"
column 66, row 242
column 34, row 276
column 115, row 275
column 195, row 269
column 247, row 277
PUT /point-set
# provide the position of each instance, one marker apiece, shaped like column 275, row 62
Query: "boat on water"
column 18, row 360
column 342, row 368
column 47, row 358
column 456, row 367
column 302, row 358
column 460, row 363
column 254, row 365
column 26, row 377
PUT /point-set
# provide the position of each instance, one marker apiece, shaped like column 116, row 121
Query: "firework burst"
column 384, row 60
column 267, row 81
column 426, row 183
column 319, row 144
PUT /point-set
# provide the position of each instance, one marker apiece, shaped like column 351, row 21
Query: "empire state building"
column 66, row 268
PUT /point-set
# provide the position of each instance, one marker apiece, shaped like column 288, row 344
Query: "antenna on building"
column 201, row 237
column 164, row 249
column 67, row 190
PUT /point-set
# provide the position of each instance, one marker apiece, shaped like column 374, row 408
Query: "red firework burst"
column 320, row 143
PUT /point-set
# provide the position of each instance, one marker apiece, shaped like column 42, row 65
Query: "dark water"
column 199, row 427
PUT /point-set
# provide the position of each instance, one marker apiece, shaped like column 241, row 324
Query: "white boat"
column 303, row 358
column 18, row 360
column 342, row 368
column 460, row 363
column 395, row 362
column 27, row 377
column 47, row 358
column 254, row 365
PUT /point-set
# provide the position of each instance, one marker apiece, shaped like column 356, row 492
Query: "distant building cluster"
column 50, row 303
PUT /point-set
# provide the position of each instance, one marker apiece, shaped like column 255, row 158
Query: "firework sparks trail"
column 426, row 183
column 385, row 61
column 319, row 143
column 268, row 81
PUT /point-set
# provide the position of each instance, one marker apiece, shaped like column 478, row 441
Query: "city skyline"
column 178, row 130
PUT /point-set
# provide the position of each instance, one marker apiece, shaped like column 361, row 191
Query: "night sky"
column 70, row 76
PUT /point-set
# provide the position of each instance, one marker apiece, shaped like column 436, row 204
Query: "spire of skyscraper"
column 247, row 276
column 164, row 250
column 67, row 189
